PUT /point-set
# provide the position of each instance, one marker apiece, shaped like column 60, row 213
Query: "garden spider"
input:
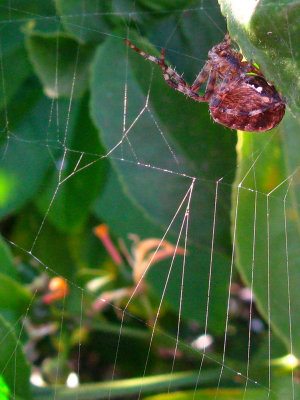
column 238, row 94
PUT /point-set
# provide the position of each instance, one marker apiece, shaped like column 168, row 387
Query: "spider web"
column 178, row 192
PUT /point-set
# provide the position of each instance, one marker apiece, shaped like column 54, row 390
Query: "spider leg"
column 210, row 87
column 168, row 72
column 170, row 76
column 201, row 77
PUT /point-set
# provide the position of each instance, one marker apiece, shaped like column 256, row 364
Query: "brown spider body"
column 250, row 105
column 238, row 94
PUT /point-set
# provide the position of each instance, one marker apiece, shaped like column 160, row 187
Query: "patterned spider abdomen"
column 250, row 104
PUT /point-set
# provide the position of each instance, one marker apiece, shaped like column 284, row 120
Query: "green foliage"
column 229, row 394
column 12, row 359
column 91, row 134
column 50, row 51
column 268, row 164
column 274, row 172
column 157, row 193
column 4, row 390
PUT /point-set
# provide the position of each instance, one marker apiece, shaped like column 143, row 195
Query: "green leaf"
column 196, row 281
column 268, row 207
column 285, row 386
column 188, row 39
column 268, row 33
column 16, row 304
column 13, row 365
column 266, row 183
column 161, row 5
column 210, row 394
column 42, row 16
column 4, row 390
column 13, row 296
column 23, row 7
column 7, row 266
column 24, row 153
column 93, row 20
column 153, row 174
column 13, row 73
column 58, row 59
column 25, row 233
column 127, row 387
column 82, row 178
column 119, row 222
column 88, row 21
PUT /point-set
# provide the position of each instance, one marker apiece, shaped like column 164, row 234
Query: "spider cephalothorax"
column 238, row 94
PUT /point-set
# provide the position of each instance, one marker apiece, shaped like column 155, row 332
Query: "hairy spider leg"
column 201, row 77
column 210, row 87
column 170, row 76
column 167, row 71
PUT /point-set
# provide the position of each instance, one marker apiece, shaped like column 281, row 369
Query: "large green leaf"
column 127, row 387
column 110, row 206
column 34, row 14
column 271, row 257
column 13, row 365
column 266, row 188
column 25, row 152
column 162, row 5
column 155, row 176
column 88, row 21
column 196, row 281
column 7, row 266
column 58, row 59
column 15, row 66
column 13, row 296
column 93, row 20
column 82, row 178
column 12, row 73
column 211, row 394
column 189, row 36
column 285, row 386
column 4, row 390
column 25, row 235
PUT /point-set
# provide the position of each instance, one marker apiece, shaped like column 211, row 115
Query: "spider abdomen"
column 248, row 121
column 251, row 105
